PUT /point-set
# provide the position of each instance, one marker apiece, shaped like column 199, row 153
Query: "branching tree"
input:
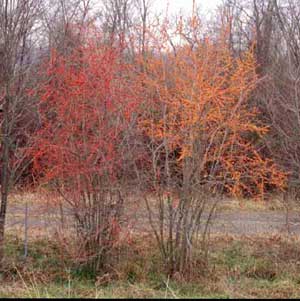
column 85, row 110
column 201, row 132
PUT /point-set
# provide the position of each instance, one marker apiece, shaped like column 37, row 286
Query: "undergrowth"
column 236, row 268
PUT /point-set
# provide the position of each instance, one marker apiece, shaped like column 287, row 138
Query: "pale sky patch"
column 184, row 6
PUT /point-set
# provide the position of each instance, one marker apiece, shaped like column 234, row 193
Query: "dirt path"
column 247, row 223
column 237, row 222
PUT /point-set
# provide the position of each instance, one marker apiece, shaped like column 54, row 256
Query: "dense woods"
column 100, row 101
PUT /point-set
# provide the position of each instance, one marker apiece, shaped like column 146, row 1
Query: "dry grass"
column 274, row 203
column 248, row 267
column 238, row 267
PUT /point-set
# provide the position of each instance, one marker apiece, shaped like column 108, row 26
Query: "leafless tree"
column 282, row 94
column 116, row 19
column 63, row 23
column 272, row 27
column 17, row 29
